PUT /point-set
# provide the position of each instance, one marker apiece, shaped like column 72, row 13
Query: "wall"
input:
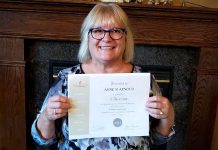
column 206, row 3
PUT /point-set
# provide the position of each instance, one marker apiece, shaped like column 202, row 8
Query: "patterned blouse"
column 61, row 141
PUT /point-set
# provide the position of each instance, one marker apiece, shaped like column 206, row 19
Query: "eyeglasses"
column 115, row 33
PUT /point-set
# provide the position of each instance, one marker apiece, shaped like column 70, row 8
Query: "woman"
column 106, row 47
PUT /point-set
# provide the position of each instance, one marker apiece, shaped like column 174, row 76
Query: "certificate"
column 108, row 105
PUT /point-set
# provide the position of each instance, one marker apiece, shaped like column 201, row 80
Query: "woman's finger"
column 158, row 107
column 154, row 104
column 156, row 113
column 58, row 102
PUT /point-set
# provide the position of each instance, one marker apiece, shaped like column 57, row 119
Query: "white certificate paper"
column 108, row 105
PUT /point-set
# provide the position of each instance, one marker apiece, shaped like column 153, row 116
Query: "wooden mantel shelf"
column 61, row 20
column 18, row 22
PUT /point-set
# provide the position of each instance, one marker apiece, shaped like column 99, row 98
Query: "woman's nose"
column 107, row 36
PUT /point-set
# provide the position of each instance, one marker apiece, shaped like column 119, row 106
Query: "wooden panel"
column 204, row 104
column 214, row 145
column 200, row 131
column 166, row 31
column 12, row 97
column 208, row 62
column 11, row 49
column 41, row 25
column 208, row 58
column 12, row 109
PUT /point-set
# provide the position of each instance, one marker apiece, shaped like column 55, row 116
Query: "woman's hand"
column 160, row 107
column 57, row 107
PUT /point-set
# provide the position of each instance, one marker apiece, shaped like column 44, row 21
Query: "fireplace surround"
column 46, row 58
column 61, row 20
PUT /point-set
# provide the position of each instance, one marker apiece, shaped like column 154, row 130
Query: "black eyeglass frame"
column 109, row 31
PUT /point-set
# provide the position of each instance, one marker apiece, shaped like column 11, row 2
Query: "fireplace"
column 163, row 74
column 25, row 21
column 173, row 67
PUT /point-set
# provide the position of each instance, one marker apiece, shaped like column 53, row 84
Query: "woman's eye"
column 116, row 31
column 97, row 31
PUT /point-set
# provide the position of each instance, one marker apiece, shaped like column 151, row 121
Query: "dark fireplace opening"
column 173, row 67
column 163, row 74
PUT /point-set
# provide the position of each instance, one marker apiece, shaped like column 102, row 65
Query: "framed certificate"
column 108, row 105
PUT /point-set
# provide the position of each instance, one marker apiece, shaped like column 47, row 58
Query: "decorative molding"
column 207, row 72
column 64, row 20
column 12, row 63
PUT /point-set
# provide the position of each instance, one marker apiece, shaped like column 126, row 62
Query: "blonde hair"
column 105, row 14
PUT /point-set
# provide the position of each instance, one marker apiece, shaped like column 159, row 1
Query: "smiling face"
column 107, row 49
column 106, row 16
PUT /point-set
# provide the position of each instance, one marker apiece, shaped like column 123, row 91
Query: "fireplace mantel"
column 61, row 20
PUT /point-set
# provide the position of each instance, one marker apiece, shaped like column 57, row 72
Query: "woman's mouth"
column 106, row 47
